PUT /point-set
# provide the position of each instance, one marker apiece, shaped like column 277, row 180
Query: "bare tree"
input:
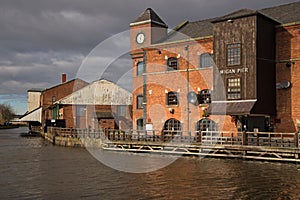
column 6, row 113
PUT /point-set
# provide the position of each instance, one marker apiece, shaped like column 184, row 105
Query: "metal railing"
column 270, row 139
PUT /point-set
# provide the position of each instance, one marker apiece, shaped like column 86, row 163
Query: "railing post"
column 296, row 140
column 153, row 134
column 244, row 138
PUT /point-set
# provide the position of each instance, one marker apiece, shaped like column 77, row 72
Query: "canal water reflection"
column 32, row 168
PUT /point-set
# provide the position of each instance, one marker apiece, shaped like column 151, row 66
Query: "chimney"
column 63, row 78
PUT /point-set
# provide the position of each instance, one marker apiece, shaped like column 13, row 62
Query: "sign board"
column 149, row 127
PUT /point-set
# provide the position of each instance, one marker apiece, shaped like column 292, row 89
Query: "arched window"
column 205, row 60
column 172, row 98
column 139, row 124
column 172, row 126
column 140, row 68
column 172, row 64
column 206, row 124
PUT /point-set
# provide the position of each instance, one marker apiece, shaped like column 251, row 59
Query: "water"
column 32, row 168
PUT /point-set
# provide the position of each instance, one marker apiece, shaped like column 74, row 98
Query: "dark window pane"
column 139, row 124
column 172, row 98
column 172, row 64
column 140, row 102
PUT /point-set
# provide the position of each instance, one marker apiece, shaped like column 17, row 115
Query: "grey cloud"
column 41, row 39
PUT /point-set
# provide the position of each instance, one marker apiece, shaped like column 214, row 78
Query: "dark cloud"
column 39, row 40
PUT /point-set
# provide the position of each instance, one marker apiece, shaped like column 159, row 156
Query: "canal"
column 32, row 168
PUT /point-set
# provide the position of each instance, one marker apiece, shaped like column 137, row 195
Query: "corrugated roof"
column 101, row 92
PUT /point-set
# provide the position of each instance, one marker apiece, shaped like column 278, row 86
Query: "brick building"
column 99, row 105
column 235, row 72
column 41, row 108
column 78, row 104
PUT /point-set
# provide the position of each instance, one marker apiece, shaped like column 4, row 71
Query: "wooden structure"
column 258, row 146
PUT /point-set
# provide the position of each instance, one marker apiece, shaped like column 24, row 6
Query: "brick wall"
column 59, row 91
column 288, row 104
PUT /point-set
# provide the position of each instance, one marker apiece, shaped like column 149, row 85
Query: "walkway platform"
column 279, row 147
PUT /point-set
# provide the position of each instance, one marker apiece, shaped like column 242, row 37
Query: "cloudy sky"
column 40, row 39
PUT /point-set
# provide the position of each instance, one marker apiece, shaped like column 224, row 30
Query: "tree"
column 6, row 113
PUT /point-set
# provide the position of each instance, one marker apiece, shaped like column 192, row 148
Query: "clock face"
column 140, row 38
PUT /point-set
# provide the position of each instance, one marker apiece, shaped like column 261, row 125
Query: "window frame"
column 53, row 99
column 172, row 98
column 205, row 96
column 205, row 60
column 234, row 88
column 234, row 54
column 139, row 105
column 172, row 64
column 140, row 121
column 121, row 110
column 139, row 72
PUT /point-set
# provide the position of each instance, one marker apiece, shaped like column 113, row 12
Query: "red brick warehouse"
column 241, row 69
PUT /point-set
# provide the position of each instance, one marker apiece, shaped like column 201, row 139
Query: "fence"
column 290, row 140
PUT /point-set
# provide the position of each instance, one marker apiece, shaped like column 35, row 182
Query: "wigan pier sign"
column 234, row 70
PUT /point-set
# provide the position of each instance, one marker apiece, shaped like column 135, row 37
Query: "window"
column 80, row 111
column 233, row 54
column 139, row 101
column 206, row 125
column 140, row 68
column 172, row 98
column 172, row 125
column 233, row 88
column 121, row 111
column 205, row 60
column 139, row 124
column 53, row 99
column 205, row 96
column 172, row 64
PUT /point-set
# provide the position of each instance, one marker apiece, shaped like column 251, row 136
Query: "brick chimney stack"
column 63, row 78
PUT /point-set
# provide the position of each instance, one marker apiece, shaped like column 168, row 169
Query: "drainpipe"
column 144, row 90
column 188, row 89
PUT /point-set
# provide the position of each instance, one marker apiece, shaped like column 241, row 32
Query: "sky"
column 41, row 39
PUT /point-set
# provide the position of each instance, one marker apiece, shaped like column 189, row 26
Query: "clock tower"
column 147, row 29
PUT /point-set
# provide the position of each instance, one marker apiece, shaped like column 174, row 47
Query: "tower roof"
column 149, row 16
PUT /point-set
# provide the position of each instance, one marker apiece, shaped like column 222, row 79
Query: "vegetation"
column 6, row 114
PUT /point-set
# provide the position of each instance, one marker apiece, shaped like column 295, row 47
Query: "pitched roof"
column 189, row 30
column 76, row 80
column 236, row 14
column 149, row 16
column 284, row 14
column 101, row 92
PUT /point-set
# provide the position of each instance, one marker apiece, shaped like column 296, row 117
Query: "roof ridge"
column 281, row 5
